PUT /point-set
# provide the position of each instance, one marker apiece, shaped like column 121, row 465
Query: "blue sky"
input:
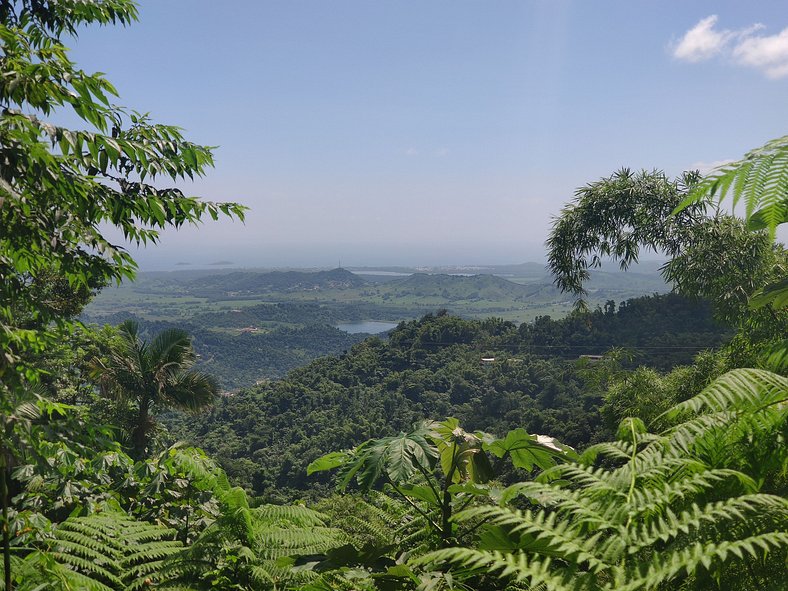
column 426, row 132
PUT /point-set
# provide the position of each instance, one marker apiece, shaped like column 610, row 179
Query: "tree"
column 60, row 188
column 711, row 256
column 439, row 467
column 153, row 375
column 761, row 180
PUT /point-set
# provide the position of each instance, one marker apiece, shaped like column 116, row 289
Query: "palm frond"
column 171, row 350
column 190, row 390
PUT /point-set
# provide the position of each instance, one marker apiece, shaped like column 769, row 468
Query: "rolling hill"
column 459, row 287
column 241, row 283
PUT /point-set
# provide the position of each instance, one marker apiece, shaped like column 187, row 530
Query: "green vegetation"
column 683, row 487
column 151, row 376
column 433, row 367
column 253, row 326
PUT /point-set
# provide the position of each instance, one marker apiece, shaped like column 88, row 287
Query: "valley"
column 252, row 325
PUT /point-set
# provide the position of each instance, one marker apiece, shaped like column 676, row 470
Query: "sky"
column 425, row 132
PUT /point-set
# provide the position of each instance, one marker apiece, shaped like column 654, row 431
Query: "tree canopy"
column 713, row 256
column 60, row 188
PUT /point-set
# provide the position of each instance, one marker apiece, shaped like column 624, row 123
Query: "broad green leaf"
column 774, row 294
column 327, row 462
column 469, row 488
column 423, row 493
column 525, row 450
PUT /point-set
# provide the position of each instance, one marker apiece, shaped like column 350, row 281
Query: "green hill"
column 265, row 436
column 244, row 283
column 458, row 287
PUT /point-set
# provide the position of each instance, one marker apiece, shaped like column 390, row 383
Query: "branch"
column 426, row 474
column 7, row 188
column 412, row 504
column 475, row 527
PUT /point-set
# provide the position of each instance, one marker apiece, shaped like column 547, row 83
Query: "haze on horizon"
column 441, row 132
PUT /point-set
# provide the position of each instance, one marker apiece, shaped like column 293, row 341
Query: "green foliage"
column 432, row 367
column 374, row 519
column 253, row 548
column 760, row 179
column 238, row 357
column 153, row 375
column 616, row 217
column 660, row 515
column 179, row 488
column 245, row 283
column 439, row 467
column 59, row 188
column 647, row 394
column 714, row 257
column 726, row 263
column 100, row 552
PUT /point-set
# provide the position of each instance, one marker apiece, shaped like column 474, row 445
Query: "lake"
column 367, row 326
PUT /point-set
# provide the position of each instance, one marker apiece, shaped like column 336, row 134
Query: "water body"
column 366, row 326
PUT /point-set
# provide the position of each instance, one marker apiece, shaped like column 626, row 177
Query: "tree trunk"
column 6, row 528
column 139, row 437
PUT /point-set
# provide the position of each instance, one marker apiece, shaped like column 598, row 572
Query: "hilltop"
column 250, row 282
column 459, row 287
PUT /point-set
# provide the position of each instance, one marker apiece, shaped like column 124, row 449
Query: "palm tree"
column 153, row 375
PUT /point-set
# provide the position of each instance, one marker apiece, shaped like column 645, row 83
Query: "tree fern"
column 654, row 513
column 248, row 547
column 108, row 551
column 760, row 179
column 740, row 389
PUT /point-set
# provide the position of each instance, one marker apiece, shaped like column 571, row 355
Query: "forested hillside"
column 242, row 348
column 250, row 326
column 433, row 368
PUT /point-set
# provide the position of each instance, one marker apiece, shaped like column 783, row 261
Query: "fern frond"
column 152, row 551
column 292, row 514
column 760, row 179
column 112, row 548
column 739, row 389
column 648, row 501
column 518, row 566
column 88, row 568
column 560, row 535
column 570, row 504
column 616, row 450
column 670, row 525
column 666, row 567
column 596, row 480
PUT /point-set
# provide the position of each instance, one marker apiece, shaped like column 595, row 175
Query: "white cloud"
column 411, row 152
column 744, row 47
column 768, row 53
column 702, row 42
